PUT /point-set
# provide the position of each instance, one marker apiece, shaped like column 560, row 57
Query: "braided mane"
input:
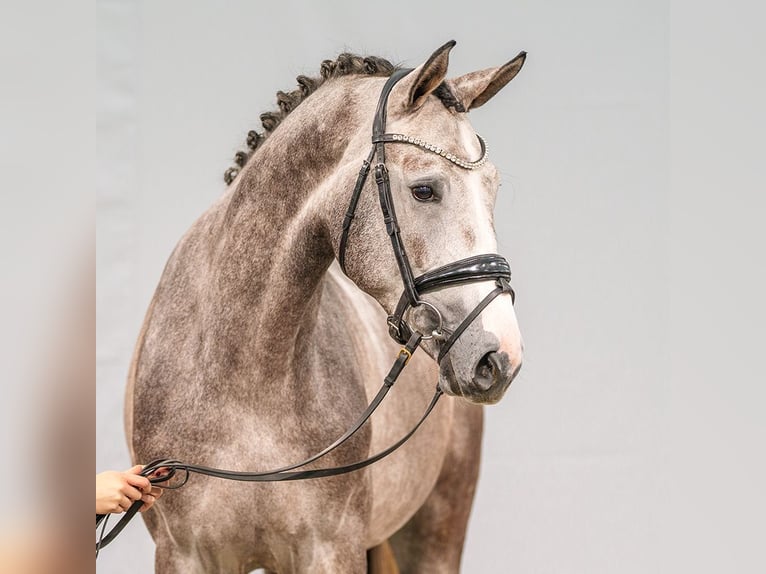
column 345, row 65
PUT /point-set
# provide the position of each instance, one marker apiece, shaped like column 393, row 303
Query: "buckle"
column 394, row 327
column 380, row 174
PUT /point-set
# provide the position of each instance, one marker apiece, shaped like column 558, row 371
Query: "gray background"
column 629, row 148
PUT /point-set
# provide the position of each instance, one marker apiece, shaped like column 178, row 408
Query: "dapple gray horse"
column 257, row 350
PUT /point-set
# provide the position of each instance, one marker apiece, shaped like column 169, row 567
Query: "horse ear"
column 476, row 88
column 425, row 79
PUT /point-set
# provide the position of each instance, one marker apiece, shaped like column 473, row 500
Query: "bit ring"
column 437, row 332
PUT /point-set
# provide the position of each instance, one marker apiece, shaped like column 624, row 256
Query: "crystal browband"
column 465, row 164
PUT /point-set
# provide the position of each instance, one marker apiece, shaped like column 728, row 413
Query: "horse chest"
column 401, row 483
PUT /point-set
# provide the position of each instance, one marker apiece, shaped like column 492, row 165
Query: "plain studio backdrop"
column 632, row 440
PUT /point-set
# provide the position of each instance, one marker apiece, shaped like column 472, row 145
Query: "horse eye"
column 423, row 193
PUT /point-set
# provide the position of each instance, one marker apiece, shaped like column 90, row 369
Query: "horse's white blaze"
column 485, row 240
column 500, row 317
column 500, row 320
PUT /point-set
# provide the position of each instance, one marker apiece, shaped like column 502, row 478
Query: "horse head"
column 443, row 192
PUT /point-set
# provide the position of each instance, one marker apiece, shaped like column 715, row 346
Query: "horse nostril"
column 488, row 370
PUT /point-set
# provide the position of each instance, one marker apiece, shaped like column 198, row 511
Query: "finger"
column 148, row 500
column 156, row 492
column 135, row 469
column 139, row 482
column 125, row 503
column 132, row 493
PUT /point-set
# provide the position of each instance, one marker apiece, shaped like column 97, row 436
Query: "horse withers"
column 257, row 350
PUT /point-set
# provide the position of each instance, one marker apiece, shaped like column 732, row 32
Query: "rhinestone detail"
column 465, row 164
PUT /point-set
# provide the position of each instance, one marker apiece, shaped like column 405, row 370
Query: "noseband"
column 488, row 267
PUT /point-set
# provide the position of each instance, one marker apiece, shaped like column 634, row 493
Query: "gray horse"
column 257, row 350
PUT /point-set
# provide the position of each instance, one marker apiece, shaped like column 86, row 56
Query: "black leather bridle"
column 489, row 267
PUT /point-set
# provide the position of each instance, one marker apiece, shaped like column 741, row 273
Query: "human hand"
column 117, row 491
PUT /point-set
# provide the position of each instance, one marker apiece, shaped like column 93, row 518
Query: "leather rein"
column 472, row 269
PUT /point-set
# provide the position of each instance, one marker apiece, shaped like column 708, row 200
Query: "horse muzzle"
column 479, row 376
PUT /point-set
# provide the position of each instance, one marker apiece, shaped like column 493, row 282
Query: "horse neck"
column 275, row 248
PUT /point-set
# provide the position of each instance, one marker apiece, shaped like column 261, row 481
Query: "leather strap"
column 378, row 126
column 469, row 270
column 502, row 287
column 283, row 473
column 392, row 228
column 175, row 466
column 351, row 211
column 379, row 122
column 384, row 188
